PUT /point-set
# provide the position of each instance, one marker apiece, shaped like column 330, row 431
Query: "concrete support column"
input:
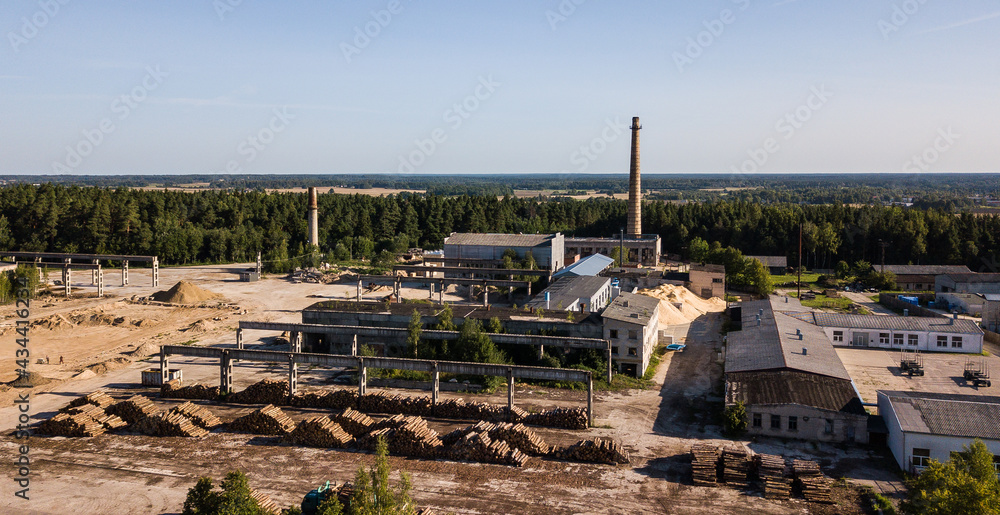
column 156, row 272
column 354, row 346
column 293, row 375
column 125, row 273
column 486, row 297
column 359, row 290
column 590, row 400
column 260, row 266
column 529, row 288
column 510, row 393
column 93, row 272
column 362, row 377
column 239, row 338
column 67, row 277
column 609, row 364
column 431, row 289
column 435, row 387
column 164, row 366
column 441, row 294
column 295, row 341
column 541, row 351
column 226, row 385
column 100, row 282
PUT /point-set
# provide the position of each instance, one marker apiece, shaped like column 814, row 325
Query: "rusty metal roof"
column 792, row 387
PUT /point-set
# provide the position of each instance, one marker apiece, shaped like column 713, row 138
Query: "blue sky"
column 545, row 86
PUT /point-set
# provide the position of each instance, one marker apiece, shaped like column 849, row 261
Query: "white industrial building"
column 991, row 312
column 584, row 294
column 927, row 334
column 632, row 324
column 930, row 426
column 470, row 249
column 967, row 283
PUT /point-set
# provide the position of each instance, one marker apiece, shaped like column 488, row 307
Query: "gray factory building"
column 547, row 249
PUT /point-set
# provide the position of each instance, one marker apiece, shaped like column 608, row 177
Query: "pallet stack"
column 266, row 504
column 133, row 409
column 269, row 420
column 169, row 424
column 320, row 432
column 173, row 390
column 735, row 466
column 99, row 398
column 598, row 450
column 268, row 391
column 773, row 474
column 810, row 479
column 566, row 418
column 198, row 414
column 705, row 464
column 353, row 421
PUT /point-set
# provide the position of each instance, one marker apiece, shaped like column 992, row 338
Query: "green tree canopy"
column 966, row 483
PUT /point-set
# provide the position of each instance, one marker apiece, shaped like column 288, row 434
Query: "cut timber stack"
column 814, row 485
column 735, row 466
column 370, row 440
column 480, row 447
column 414, row 438
column 110, row 422
column 319, row 432
column 173, row 390
column 198, row 414
column 598, row 450
column 169, row 424
column 268, row 391
column 705, row 464
column 133, row 409
column 566, row 418
column 772, row 472
column 266, row 504
column 520, row 437
column 64, row 424
column 335, row 399
column 269, row 420
column 383, row 402
column 353, row 421
column 100, row 399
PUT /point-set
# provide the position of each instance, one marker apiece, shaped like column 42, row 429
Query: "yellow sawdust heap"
column 184, row 293
column 692, row 306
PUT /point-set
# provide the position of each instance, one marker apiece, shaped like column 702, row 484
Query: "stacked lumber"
column 266, row 504
column 173, row 390
column 353, row 421
column 516, row 415
column 198, row 414
column 735, row 466
column 520, row 437
column 456, row 435
column 814, row 485
column 321, row 432
column 598, row 450
column 425, row 511
column 414, row 438
column 269, row 420
column 169, row 423
column 392, row 422
column 99, row 398
column 110, row 422
column 566, row 418
column 133, row 409
column 334, row 399
column 65, row 424
column 705, row 464
column 478, row 446
column 772, row 472
column 458, row 408
column 369, row 441
column 267, row 391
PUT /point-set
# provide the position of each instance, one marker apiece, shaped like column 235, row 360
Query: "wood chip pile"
column 598, row 450
column 735, row 466
column 169, row 424
column 810, row 479
column 100, row 399
column 333, row 399
column 774, row 475
column 269, row 420
column 320, row 432
column 133, row 409
column 198, row 414
column 566, row 418
column 705, row 464
column 353, row 421
column 173, row 390
column 266, row 504
column 268, row 391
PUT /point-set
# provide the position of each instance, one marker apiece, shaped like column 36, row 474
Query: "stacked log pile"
column 321, row 432
column 566, row 418
column 169, row 424
column 353, row 421
column 414, row 438
column 173, row 390
column 198, row 414
column 269, row 420
column 478, row 446
column 383, row 402
column 110, row 422
column 814, row 485
column 598, row 450
column 65, row 424
column 99, row 398
column 370, row 440
column 266, row 504
column 520, row 437
column 735, row 466
column 773, row 474
column 333, row 399
column 705, row 464
column 133, row 409
column 458, row 408
column 268, row 391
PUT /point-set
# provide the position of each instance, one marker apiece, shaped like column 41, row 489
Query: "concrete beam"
column 493, row 272
column 65, row 255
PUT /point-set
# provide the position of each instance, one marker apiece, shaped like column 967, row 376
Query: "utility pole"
column 798, row 282
column 621, row 250
column 883, row 245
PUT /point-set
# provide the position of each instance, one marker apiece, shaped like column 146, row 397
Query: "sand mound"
column 52, row 323
column 680, row 306
column 107, row 366
column 200, row 326
column 146, row 349
column 184, row 293
column 31, row 379
column 86, row 374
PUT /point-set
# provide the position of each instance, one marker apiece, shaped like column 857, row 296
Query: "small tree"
column 842, row 270
column 372, row 493
column 446, row 320
column 413, row 331
column 233, row 499
column 201, row 500
column 735, row 419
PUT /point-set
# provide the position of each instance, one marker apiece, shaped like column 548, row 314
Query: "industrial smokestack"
column 313, row 217
column 635, row 185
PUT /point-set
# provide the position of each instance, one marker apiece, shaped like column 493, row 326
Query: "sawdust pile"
column 144, row 350
column 30, row 379
column 184, row 293
column 691, row 305
column 109, row 365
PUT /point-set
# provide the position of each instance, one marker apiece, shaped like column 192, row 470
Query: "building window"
column 758, row 421
column 996, row 463
column 793, row 423
column 942, row 341
column 838, row 336
column 897, row 339
column 828, row 429
column 956, row 342
column 883, row 338
column 912, row 339
column 613, row 334
column 633, row 334
column 614, row 350
column 921, row 457
column 775, row 421
column 717, row 281
column 632, row 351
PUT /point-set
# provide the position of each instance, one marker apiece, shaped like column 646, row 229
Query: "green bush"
column 735, row 419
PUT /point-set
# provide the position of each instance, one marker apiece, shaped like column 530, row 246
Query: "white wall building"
column 927, row 334
column 632, row 324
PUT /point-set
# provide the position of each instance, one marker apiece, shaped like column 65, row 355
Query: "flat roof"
column 589, row 266
column 966, row 416
column 500, row 240
column 568, row 290
column 924, row 269
column 890, row 322
column 633, row 308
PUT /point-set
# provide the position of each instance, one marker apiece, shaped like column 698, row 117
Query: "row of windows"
column 632, row 351
column 792, row 422
column 922, row 458
column 633, row 334
column 911, row 339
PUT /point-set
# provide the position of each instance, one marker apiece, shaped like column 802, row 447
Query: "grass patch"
column 822, row 301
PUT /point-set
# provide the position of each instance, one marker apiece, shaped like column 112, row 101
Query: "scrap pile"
column 268, row 391
column 169, row 423
column 566, row 418
column 321, row 432
column 814, row 485
column 735, row 466
column 598, row 450
column 353, row 421
column 198, row 414
column 478, row 446
column 100, row 399
column 333, row 399
column 705, row 464
column 133, row 409
column 268, row 420
column 173, row 390
column 773, row 474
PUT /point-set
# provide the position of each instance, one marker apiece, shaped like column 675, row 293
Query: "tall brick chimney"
column 313, row 217
column 635, row 186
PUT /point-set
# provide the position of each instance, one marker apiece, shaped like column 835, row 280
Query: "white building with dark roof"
column 632, row 325
column 584, row 294
column 991, row 312
column 473, row 248
column 927, row 334
column 967, row 283
column 919, row 277
column 930, row 426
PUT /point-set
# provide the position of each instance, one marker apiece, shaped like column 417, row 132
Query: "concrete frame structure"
column 473, row 248
column 436, row 368
column 644, row 249
column 92, row 259
column 439, row 284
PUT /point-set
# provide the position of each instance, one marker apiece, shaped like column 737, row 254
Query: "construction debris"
column 198, row 414
column 173, row 390
column 133, row 409
column 705, row 464
column 353, row 421
column 810, row 479
column 268, row 391
column 269, row 420
column 321, row 432
column 169, row 424
column 735, row 466
column 598, row 450
column 774, row 475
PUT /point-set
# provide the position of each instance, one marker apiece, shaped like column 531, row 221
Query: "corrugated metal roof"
column 499, row 240
column 992, row 297
column 924, row 269
column 772, row 261
column 890, row 322
column 588, row 266
column 632, row 307
column 568, row 290
column 967, row 416
column 975, row 278
column 790, row 387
